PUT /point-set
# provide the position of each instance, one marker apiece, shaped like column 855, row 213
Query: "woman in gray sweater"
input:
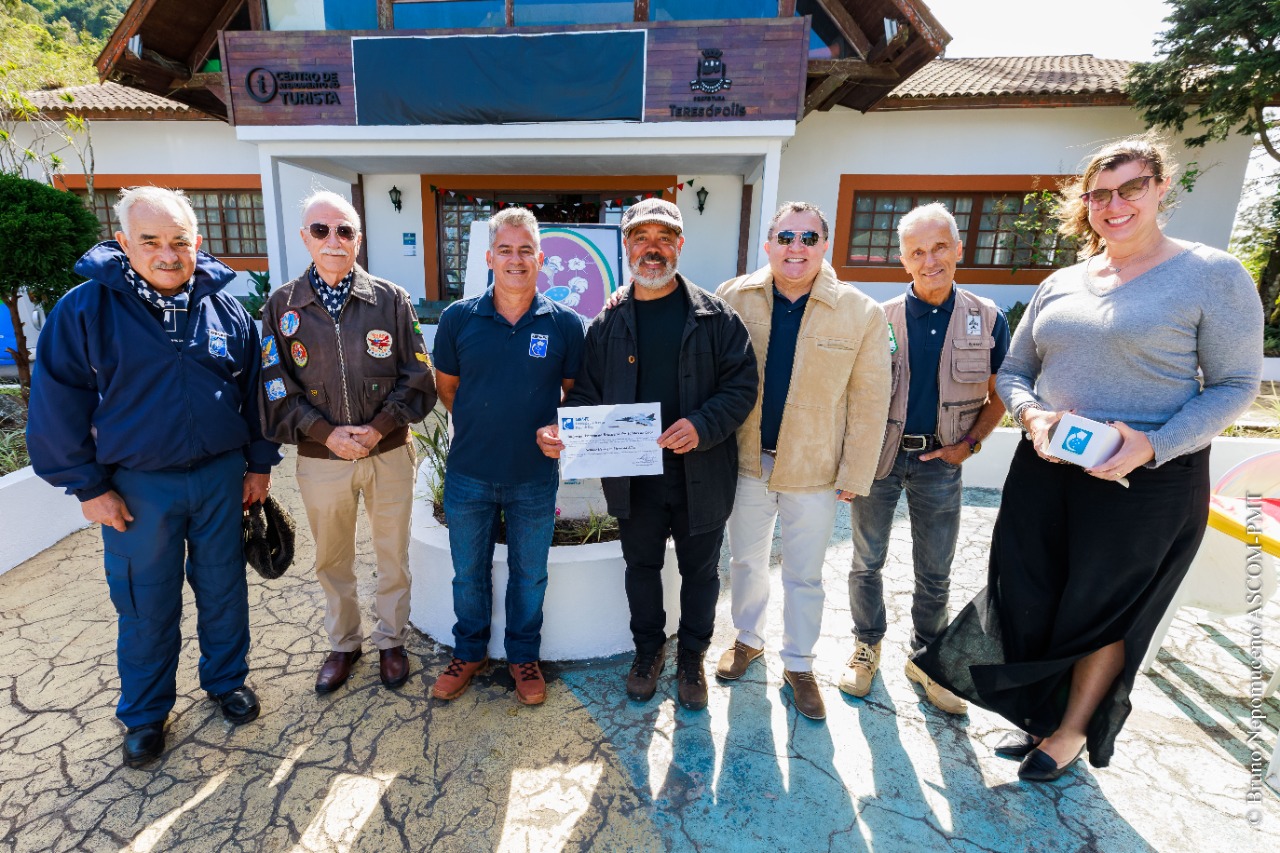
column 1163, row 339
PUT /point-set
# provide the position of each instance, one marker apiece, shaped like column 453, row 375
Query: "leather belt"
column 917, row 443
column 767, row 452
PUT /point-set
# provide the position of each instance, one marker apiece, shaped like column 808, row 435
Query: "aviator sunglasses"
column 320, row 231
column 1129, row 191
column 809, row 238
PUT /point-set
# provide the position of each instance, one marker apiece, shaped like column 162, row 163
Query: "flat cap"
column 653, row 210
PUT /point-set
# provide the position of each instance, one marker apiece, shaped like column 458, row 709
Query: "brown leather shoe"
column 734, row 662
column 456, row 678
column 805, row 693
column 531, row 687
column 334, row 672
column 691, row 681
column 938, row 696
column 642, row 680
column 393, row 666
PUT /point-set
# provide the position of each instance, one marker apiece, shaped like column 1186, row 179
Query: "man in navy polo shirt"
column 502, row 360
column 946, row 345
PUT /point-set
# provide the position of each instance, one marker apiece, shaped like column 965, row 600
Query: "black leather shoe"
column 393, row 666
column 143, row 744
column 1039, row 766
column 1016, row 744
column 238, row 706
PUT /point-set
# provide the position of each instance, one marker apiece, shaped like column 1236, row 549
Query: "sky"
column 1109, row 29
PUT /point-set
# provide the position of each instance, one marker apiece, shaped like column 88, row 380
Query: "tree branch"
column 1262, row 132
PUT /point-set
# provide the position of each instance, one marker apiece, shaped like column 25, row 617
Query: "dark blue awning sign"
column 500, row 79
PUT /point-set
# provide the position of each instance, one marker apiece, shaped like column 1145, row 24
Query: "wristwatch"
column 974, row 445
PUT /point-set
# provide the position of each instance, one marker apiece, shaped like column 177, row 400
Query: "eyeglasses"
column 320, row 231
column 1129, row 191
column 809, row 238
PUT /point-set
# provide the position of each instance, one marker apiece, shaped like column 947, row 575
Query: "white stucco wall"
column 991, row 142
column 384, row 231
column 710, row 253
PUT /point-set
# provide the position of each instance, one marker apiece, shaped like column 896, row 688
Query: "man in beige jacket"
column 812, row 439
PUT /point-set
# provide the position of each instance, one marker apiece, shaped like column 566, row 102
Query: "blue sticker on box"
column 275, row 389
column 1077, row 440
column 217, row 344
column 270, row 357
column 538, row 346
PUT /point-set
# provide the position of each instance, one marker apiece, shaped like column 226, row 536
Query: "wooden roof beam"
column 823, row 92
column 786, row 8
column 853, row 70
column 124, row 31
column 209, row 39
column 847, row 26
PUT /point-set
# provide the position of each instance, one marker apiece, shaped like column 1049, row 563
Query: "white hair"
column 174, row 201
column 934, row 212
column 334, row 200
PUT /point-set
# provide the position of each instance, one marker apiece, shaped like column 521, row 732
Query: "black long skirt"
column 1076, row 564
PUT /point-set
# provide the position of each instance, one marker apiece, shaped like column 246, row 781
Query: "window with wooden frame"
column 228, row 209
column 1006, row 235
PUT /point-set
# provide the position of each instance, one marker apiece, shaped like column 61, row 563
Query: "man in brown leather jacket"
column 344, row 372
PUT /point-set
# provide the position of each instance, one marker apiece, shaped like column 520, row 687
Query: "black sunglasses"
column 320, row 231
column 809, row 238
column 1129, row 191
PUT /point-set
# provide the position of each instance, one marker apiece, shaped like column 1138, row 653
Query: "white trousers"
column 807, row 522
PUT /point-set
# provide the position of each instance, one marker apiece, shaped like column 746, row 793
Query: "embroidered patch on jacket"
column 973, row 324
column 289, row 323
column 417, row 330
column 893, row 341
column 379, row 343
column 217, row 344
column 538, row 346
column 275, row 389
column 270, row 357
column 299, row 353
column 424, row 358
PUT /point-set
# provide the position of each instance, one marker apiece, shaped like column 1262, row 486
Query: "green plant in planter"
column 433, row 444
column 13, row 450
column 255, row 302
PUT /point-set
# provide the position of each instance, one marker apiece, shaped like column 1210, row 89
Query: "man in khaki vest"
column 946, row 346
column 809, row 442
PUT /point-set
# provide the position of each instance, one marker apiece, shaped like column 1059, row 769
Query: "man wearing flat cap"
column 668, row 341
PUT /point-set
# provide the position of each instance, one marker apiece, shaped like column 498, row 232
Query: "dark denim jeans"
column 933, row 503
column 472, row 507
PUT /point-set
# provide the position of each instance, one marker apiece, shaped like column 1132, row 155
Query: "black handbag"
column 268, row 538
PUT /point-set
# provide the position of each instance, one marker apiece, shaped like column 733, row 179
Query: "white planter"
column 33, row 516
column 987, row 469
column 585, row 612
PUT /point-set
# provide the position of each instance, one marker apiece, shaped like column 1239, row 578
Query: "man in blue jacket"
column 144, row 407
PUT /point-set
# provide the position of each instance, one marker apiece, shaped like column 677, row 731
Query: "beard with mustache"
column 655, row 281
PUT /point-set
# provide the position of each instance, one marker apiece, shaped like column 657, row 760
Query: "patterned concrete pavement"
column 367, row 769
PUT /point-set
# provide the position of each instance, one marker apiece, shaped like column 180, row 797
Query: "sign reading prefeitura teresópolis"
column 752, row 70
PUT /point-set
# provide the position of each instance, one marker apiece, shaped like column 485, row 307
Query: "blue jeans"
column 471, row 509
column 933, row 503
column 180, row 517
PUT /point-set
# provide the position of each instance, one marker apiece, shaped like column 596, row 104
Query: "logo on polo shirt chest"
column 538, row 346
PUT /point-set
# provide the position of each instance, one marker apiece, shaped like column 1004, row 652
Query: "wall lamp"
column 702, row 198
column 396, row 196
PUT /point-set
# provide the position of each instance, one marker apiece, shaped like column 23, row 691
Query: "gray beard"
column 653, row 283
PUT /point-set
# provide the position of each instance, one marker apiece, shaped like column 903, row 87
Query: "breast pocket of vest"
column 971, row 362
column 316, row 394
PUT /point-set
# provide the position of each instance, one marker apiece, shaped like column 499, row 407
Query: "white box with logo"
column 1083, row 442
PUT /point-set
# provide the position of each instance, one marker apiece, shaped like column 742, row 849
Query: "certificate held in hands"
column 610, row 441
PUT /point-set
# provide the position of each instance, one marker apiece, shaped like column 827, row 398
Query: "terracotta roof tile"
column 1016, row 76
column 105, row 97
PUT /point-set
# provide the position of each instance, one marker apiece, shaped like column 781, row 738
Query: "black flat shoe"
column 1016, row 745
column 143, row 744
column 239, row 706
column 1039, row 766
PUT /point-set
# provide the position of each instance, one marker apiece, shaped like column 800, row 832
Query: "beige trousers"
column 331, row 490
